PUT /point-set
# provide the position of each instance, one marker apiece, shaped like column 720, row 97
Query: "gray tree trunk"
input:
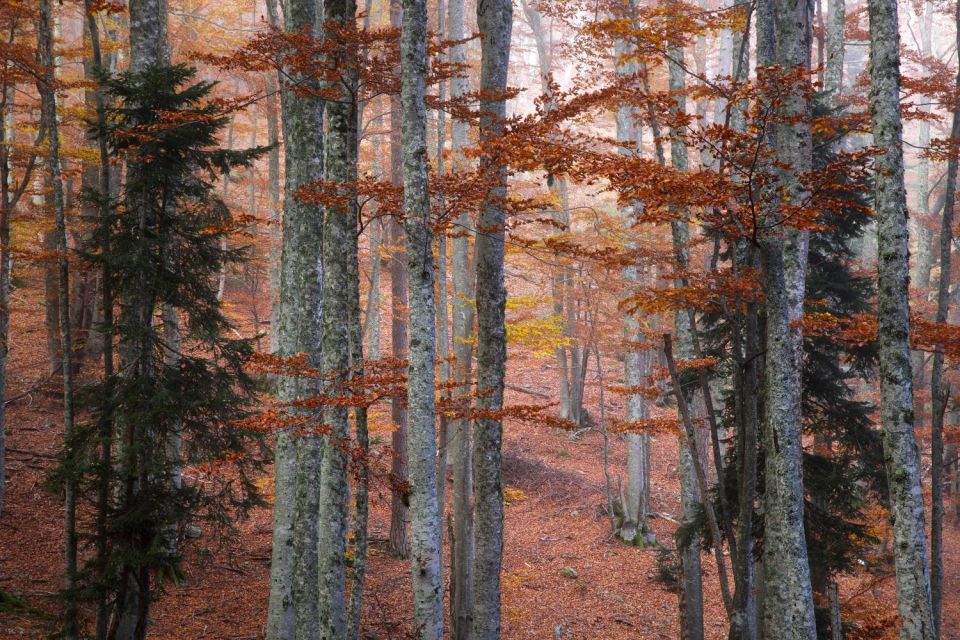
column 340, row 236
column 635, row 362
column 273, row 188
column 921, row 275
column 937, row 389
column 923, row 266
column 425, row 529
column 901, row 456
column 691, row 588
column 400, row 503
column 833, row 72
column 48, row 107
column 464, row 316
column 6, row 207
column 371, row 318
column 494, row 20
column 299, row 330
column 788, row 597
column 443, row 303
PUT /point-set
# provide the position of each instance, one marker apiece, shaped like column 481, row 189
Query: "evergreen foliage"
column 182, row 453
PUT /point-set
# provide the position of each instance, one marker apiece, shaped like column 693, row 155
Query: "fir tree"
column 178, row 399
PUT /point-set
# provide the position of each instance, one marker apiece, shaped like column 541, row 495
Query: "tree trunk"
column 833, row 73
column 299, row 331
column 788, row 599
column 425, row 529
column 901, row 456
column 5, row 209
column 399, row 506
column 494, row 20
column 464, row 312
column 937, row 389
column 362, row 443
column 273, row 188
column 635, row 362
column 691, row 588
column 48, row 102
column 921, row 275
column 561, row 280
column 340, row 234
column 105, row 428
column 371, row 318
column 443, row 303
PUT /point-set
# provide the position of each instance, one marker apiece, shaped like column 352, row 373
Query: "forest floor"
column 555, row 519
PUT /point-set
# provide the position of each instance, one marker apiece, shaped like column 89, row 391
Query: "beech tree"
column 495, row 21
column 901, row 456
column 299, row 330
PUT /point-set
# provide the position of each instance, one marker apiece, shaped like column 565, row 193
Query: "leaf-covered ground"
column 564, row 575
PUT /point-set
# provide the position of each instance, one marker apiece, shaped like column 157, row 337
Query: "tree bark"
column 938, row 391
column 494, row 20
column 691, row 588
column 340, row 235
column 901, row 456
column 105, row 428
column 399, row 506
column 48, row 102
column 464, row 316
column 273, row 187
column 425, row 528
column 635, row 362
column 299, row 330
column 923, row 266
column 788, row 598
column 833, row 72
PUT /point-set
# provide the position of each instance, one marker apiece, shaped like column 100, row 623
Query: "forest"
column 479, row 319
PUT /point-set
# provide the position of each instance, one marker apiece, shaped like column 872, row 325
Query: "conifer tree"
column 164, row 250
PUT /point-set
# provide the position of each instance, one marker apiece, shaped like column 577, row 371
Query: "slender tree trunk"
column 833, row 72
column 399, row 506
column 635, row 362
column 937, row 388
column 362, row 445
column 361, row 495
column 923, row 266
column 443, row 304
column 464, row 312
column 896, row 382
column 273, row 188
column 561, row 279
column 299, row 332
column 371, row 318
column 494, row 20
column 743, row 622
column 6, row 208
column 425, row 548
column 105, row 428
column 691, row 588
column 48, row 101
